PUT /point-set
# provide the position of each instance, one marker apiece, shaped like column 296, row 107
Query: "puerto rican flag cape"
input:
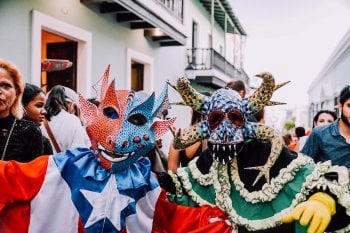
column 71, row 192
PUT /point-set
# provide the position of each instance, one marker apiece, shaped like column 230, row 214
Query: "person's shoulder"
column 67, row 117
column 26, row 123
column 321, row 129
column 24, row 126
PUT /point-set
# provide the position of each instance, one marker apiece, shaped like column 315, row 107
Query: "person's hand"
column 166, row 182
column 316, row 211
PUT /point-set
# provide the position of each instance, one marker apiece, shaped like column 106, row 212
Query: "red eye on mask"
column 236, row 118
column 217, row 116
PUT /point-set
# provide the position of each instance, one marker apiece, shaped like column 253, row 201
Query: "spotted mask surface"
column 226, row 124
column 123, row 124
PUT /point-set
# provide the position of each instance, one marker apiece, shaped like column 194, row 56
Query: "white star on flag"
column 107, row 204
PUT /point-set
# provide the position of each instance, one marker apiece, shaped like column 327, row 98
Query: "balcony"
column 224, row 15
column 161, row 20
column 209, row 68
column 174, row 7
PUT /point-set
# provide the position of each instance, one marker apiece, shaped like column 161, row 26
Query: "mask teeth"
column 234, row 148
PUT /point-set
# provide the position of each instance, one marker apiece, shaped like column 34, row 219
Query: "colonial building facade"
column 145, row 42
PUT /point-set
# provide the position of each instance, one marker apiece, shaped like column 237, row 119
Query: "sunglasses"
column 217, row 116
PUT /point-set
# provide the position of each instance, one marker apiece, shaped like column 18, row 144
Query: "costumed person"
column 247, row 173
column 109, row 189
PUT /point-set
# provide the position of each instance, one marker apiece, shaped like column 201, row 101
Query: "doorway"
column 139, row 71
column 58, row 47
column 137, row 76
column 43, row 23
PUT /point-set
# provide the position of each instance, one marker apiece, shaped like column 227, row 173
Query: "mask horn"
column 88, row 110
column 161, row 103
column 101, row 86
column 190, row 96
column 110, row 98
column 261, row 97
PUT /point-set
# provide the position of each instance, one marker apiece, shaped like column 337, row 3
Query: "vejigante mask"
column 124, row 126
column 226, row 123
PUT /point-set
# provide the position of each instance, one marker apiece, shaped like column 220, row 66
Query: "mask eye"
column 215, row 118
column 137, row 119
column 236, row 118
column 110, row 113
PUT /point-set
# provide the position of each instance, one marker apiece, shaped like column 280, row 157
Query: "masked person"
column 107, row 189
column 247, row 180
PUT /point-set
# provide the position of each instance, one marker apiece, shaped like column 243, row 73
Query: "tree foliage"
column 290, row 124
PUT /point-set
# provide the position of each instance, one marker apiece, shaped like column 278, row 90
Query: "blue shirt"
column 326, row 143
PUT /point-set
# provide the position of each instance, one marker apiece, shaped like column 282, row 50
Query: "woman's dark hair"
column 259, row 115
column 55, row 101
column 94, row 101
column 344, row 94
column 236, row 85
column 196, row 117
column 29, row 93
column 332, row 113
column 300, row 132
column 287, row 138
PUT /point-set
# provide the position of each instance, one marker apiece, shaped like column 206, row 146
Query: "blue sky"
column 292, row 39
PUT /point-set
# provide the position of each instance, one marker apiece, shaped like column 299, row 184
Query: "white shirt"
column 302, row 142
column 68, row 131
column 167, row 139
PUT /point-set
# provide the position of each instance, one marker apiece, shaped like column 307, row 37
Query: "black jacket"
column 25, row 142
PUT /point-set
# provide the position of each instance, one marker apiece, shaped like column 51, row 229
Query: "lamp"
column 189, row 71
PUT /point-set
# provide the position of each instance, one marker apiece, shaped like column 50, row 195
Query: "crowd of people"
column 34, row 123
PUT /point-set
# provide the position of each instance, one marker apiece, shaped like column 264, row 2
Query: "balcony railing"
column 175, row 7
column 207, row 59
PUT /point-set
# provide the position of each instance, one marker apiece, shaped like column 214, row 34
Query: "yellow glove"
column 316, row 212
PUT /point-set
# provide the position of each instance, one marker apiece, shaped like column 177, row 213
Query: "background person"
column 19, row 139
column 287, row 139
column 180, row 158
column 239, row 86
column 66, row 127
column 332, row 141
column 300, row 135
column 159, row 154
column 33, row 101
column 260, row 116
column 322, row 117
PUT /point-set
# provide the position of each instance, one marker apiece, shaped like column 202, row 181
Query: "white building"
column 325, row 89
column 275, row 117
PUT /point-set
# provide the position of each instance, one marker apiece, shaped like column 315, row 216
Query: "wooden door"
column 67, row 77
